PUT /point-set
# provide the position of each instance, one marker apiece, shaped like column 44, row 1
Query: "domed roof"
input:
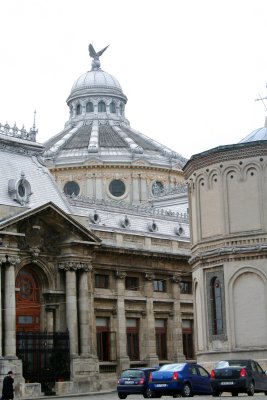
column 257, row 134
column 95, row 81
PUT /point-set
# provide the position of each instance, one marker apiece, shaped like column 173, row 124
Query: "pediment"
column 93, row 161
column 47, row 225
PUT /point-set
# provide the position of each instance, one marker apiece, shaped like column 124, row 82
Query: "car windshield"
column 172, row 367
column 231, row 363
column 132, row 373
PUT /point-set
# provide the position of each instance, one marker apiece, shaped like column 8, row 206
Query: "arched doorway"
column 27, row 302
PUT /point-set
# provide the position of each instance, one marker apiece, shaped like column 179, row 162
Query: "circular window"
column 71, row 188
column 157, row 187
column 117, row 188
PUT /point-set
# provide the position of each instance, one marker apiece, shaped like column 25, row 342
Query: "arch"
column 89, row 107
column 101, row 106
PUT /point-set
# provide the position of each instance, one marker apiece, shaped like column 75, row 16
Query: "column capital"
column 176, row 278
column 149, row 276
column 7, row 260
column 75, row 266
column 120, row 274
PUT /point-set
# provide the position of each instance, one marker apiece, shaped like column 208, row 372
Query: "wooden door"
column 27, row 302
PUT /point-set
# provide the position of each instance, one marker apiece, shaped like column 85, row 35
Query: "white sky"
column 191, row 69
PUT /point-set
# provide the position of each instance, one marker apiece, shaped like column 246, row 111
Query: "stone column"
column 151, row 357
column 71, row 305
column 123, row 359
column 2, row 263
column 83, row 310
column 177, row 353
column 10, row 308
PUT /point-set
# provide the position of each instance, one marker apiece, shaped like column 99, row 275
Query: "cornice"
column 225, row 153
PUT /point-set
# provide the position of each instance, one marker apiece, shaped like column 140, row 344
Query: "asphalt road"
column 114, row 396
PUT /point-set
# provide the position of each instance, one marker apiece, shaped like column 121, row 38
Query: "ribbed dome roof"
column 94, row 82
column 257, row 134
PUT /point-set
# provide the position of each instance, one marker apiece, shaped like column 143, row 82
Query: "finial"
column 34, row 116
column 95, row 55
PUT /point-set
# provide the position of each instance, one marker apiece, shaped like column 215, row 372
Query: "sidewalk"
column 99, row 392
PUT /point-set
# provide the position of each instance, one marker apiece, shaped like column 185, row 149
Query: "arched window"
column 112, row 108
column 78, row 109
column 89, row 107
column 216, row 306
column 101, row 107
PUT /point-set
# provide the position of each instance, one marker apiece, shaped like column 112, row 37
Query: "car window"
column 253, row 366
column 172, row 367
column 132, row 373
column 193, row 370
column 232, row 363
column 258, row 367
column 202, row 371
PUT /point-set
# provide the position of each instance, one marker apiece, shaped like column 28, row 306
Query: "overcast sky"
column 191, row 69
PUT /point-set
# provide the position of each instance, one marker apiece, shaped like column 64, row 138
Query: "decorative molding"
column 14, row 131
column 75, row 266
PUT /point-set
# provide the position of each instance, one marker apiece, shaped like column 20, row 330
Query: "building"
column 94, row 247
column 227, row 196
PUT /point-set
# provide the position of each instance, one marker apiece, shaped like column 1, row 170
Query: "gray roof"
column 257, row 134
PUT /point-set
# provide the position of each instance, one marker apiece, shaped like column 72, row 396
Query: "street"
column 114, row 396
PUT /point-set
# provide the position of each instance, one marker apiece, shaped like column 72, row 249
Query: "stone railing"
column 14, row 131
column 146, row 209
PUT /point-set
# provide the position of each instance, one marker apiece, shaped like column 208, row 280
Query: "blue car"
column 183, row 379
column 134, row 381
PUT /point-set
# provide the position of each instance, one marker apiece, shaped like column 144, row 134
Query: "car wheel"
column 187, row 391
column 122, row 395
column 148, row 394
column 251, row 389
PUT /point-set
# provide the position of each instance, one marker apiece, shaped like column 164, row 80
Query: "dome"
column 257, row 134
column 96, row 82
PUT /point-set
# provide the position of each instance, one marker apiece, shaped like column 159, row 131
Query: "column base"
column 14, row 364
column 152, row 361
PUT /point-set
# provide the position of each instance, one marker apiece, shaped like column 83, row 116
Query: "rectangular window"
column 161, row 338
column 186, row 287
column 131, row 283
column 132, row 338
column 187, row 339
column 101, row 281
column 105, row 340
column 159, row 285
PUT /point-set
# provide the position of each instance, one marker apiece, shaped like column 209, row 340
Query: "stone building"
column 94, row 247
column 227, row 196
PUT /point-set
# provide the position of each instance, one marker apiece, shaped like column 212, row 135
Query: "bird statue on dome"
column 95, row 55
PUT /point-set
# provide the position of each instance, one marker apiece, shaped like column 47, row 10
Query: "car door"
column 257, row 375
column 195, row 379
column 204, row 382
column 262, row 377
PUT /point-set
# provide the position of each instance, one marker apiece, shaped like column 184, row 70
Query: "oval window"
column 71, row 188
column 117, row 188
column 21, row 190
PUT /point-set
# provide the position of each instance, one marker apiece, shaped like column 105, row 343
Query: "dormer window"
column 89, row 107
column 112, row 108
column 101, row 107
column 78, row 109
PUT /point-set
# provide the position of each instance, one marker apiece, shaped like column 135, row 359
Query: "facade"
column 94, row 248
column 227, row 196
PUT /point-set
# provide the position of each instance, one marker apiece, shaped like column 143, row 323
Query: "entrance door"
column 27, row 302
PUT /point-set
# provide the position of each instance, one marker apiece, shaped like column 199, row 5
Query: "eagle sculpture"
column 95, row 56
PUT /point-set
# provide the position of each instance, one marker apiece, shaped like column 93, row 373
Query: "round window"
column 71, row 188
column 117, row 188
column 157, row 187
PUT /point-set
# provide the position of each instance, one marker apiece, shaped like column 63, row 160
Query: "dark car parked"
column 184, row 379
column 238, row 376
column 134, row 381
